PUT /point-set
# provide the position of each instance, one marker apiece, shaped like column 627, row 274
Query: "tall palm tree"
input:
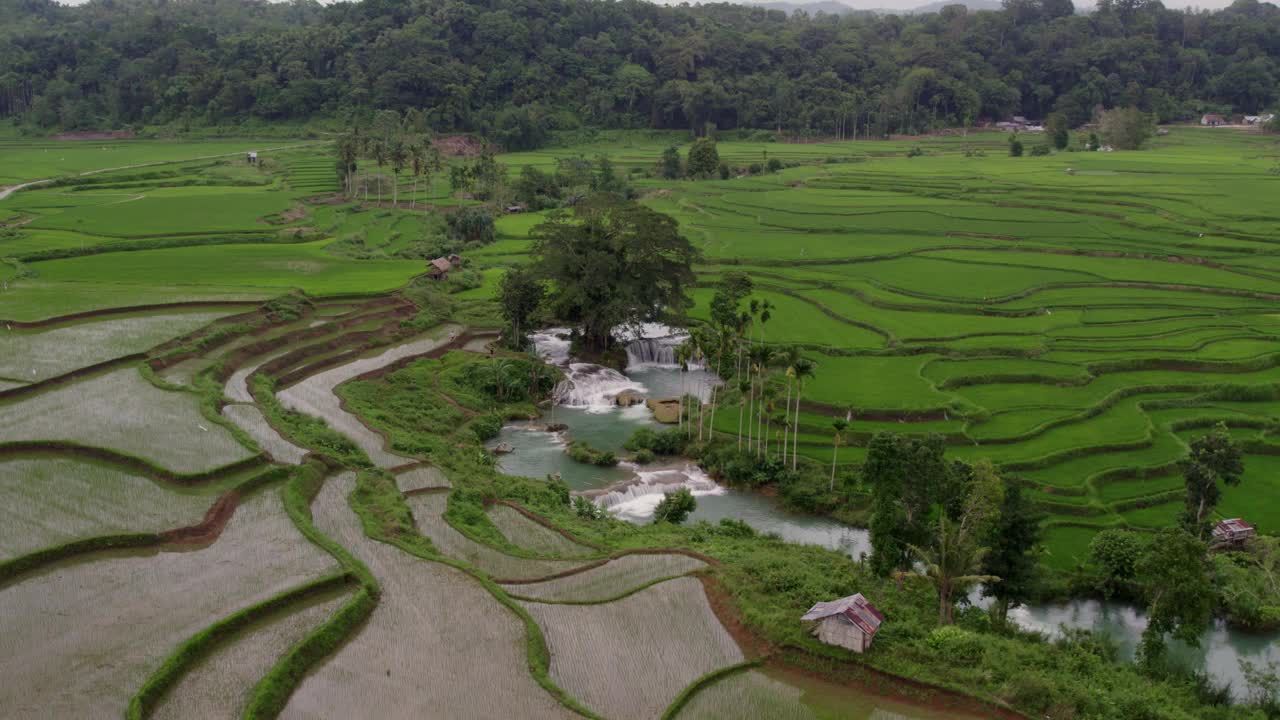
column 758, row 356
column 787, row 357
column 398, row 154
column 839, row 425
column 952, row 563
column 744, row 392
column 434, row 165
column 803, row 368
column 380, row 153
column 417, row 160
column 682, row 359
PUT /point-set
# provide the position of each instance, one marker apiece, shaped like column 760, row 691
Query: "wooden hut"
column 850, row 622
column 439, row 268
column 1233, row 532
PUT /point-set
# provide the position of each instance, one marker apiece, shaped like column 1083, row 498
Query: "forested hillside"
column 517, row 68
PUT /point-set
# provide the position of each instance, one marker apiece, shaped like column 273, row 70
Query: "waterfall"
column 652, row 345
column 593, row 387
column 552, row 345
column 638, row 498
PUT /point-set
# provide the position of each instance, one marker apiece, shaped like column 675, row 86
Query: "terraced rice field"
column 1035, row 310
column 749, row 695
column 84, row 624
column 35, row 355
column 251, row 420
column 532, row 536
column 46, row 501
column 220, row 685
column 428, row 514
column 437, row 644
column 617, row 577
column 671, row 638
column 315, row 395
column 121, row 411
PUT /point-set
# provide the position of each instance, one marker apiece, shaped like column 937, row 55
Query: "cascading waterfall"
column 593, row 387
column 652, row 345
column 637, row 499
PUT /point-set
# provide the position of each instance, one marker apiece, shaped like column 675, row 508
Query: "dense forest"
column 517, row 69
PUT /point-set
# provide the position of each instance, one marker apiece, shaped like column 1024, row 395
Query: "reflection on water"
column 827, row 700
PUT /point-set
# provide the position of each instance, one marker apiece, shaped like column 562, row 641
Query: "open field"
column 1037, row 310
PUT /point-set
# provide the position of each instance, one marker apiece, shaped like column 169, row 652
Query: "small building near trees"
column 1233, row 531
column 439, row 268
column 850, row 622
column 1210, row 120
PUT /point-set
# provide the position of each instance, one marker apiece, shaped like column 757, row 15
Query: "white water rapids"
column 593, row 389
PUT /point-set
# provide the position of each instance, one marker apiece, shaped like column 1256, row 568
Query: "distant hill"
column 834, row 7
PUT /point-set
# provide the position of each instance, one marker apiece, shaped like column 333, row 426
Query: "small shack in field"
column 850, row 622
column 1212, row 120
column 1233, row 532
column 439, row 268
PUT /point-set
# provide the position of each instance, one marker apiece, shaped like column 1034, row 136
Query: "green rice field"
column 240, row 476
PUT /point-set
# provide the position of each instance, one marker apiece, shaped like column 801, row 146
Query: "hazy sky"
column 909, row 4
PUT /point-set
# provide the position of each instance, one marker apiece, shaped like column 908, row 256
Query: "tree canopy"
column 519, row 70
column 613, row 262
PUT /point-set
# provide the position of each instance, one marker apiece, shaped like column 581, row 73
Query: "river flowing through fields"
column 585, row 406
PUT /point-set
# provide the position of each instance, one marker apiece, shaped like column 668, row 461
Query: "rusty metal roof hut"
column 1233, row 532
column 439, row 268
column 850, row 622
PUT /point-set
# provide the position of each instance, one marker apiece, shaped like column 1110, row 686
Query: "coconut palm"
column 744, row 390
column 682, row 352
column 952, row 563
column 398, row 155
column 839, row 424
column 787, row 357
column 804, row 369
column 758, row 356
column 380, row 155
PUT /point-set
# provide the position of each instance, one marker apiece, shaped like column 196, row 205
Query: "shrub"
column 755, row 169
column 586, row 509
column 486, row 427
column 584, row 453
column 1126, row 128
column 667, row 443
column 723, row 170
column 915, row 152
column 1040, row 151
column 643, row 457
column 774, row 165
column 675, row 507
column 1015, row 146
column 956, row 645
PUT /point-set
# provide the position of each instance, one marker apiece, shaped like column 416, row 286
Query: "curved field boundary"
column 66, row 378
column 127, row 310
column 539, row 657
column 202, row 533
column 673, row 710
column 187, row 655
column 612, row 598
column 126, row 462
column 270, row 696
column 552, row 526
column 710, row 561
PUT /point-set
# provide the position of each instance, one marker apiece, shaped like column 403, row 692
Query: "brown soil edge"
column 850, row 673
column 710, row 561
column 36, row 388
column 130, row 309
column 202, row 534
column 128, row 463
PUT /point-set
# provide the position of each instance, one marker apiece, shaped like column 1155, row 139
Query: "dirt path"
column 6, row 192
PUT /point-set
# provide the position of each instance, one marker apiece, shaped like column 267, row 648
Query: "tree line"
column 517, row 71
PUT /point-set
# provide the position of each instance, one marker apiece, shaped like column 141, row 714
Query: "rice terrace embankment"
column 243, row 469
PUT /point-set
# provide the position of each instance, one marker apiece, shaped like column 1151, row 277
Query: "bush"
column 1040, row 151
column 755, row 169
column 1015, row 146
column 643, row 457
column 724, row 171
column 584, row 453
column 915, row 152
column 666, row 443
column 675, row 507
column 486, row 427
column 956, row 645
column 586, row 509
column 1126, row 128
column 774, row 165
